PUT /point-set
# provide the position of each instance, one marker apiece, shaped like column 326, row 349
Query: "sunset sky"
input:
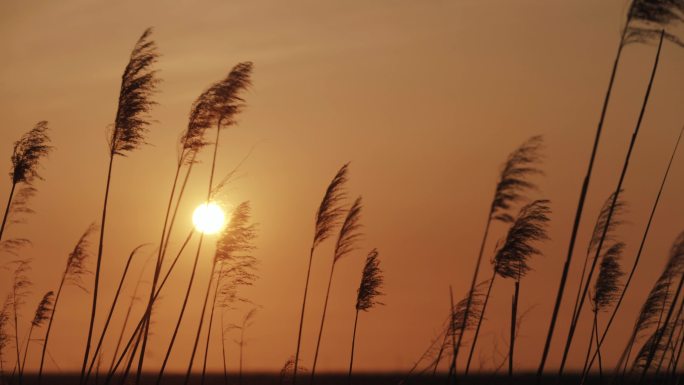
column 425, row 98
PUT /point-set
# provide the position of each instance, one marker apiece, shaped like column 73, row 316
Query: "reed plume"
column 42, row 314
column 512, row 258
column 328, row 217
column 21, row 286
column 366, row 298
column 287, row 369
column 74, row 271
column 637, row 259
column 346, row 243
column 514, row 181
column 236, row 267
column 27, row 153
column 226, row 104
column 658, row 300
column 138, row 84
column 464, row 316
column 5, row 337
column 655, row 15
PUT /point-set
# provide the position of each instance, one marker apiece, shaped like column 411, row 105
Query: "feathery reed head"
column 511, row 259
column 44, row 309
column 514, row 179
column 12, row 245
column 650, row 346
column 138, row 83
column 287, row 370
column 371, row 283
column 330, row 211
column 28, row 151
column 76, row 262
column 659, row 296
column 237, row 236
column 460, row 323
column 4, row 322
column 648, row 18
column 220, row 103
column 21, row 284
column 607, row 286
column 349, row 232
column 602, row 220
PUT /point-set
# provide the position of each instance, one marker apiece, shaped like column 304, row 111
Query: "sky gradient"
column 426, row 99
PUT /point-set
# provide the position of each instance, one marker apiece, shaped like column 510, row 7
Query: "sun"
column 208, row 218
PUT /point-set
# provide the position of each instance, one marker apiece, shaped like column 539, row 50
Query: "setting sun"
column 208, row 218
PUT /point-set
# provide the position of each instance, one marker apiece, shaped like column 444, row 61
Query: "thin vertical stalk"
column 480, row 320
column 49, row 328
column 618, row 189
column 514, row 315
column 301, row 317
column 223, row 351
column 23, row 362
column 671, row 335
column 452, row 320
column 578, row 212
column 7, row 210
column 211, row 321
column 96, row 286
column 320, row 331
column 351, row 359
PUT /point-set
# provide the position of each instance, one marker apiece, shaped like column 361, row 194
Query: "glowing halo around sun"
column 208, row 218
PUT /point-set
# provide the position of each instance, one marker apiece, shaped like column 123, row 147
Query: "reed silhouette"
column 369, row 289
column 346, row 243
column 138, row 84
column 328, row 217
column 42, row 314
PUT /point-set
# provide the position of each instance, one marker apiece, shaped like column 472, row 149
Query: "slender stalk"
column 589, row 347
column 49, row 328
column 242, row 344
column 480, row 320
column 16, row 331
column 199, row 328
column 351, row 359
column 671, row 335
column 639, row 251
column 223, row 351
column 598, row 349
column 301, row 317
column 320, row 330
column 97, row 268
column 452, row 367
column 578, row 212
column 7, row 210
column 473, row 282
column 111, row 313
column 514, row 315
column 26, row 346
column 625, row 166
column 211, row 321
column 125, row 323
column 439, row 354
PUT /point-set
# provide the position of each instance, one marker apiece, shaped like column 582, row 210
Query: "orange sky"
column 424, row 98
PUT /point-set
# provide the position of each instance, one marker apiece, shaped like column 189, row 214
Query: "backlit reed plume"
column 464, row 317
column 21, row 286
column 657, row 347
column 27, row 153
column 658, row 300
column 366, row 296
column 138, row 84
column 73, row 274
column 42, row 314
column 233, row 266
column 599, row 246
column 642, row 19
column 512, row 258
column 247, row 321
column 514, row 181
column 606, row 291
column 635, row 264
column 346, row 243
column 227, row 104
column 328, row 217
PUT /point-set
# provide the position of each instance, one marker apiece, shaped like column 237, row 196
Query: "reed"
column 346, row 243
column 21, row 286
column 73, row 274
column 366, row 298
column 328, row 218
column 42, row 314
column 514, row 181
column 138, row 84
column 247, row 321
